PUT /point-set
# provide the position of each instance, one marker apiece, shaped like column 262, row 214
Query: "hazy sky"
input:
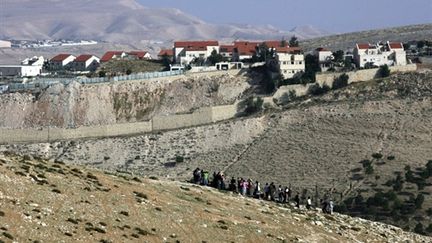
column 331, row 15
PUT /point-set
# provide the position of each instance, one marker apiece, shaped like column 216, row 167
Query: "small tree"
column 250, row 105
column 419, row 228
column 316, row 89
column 102, row 74
column 166, row 61
column 128, row 71
column 338, row 56
column 384, row 71
column 215, row 57
column 341, row 81
column 419, row 201
column 294, row 41
column 429, row 228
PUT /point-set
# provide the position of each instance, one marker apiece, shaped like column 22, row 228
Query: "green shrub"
column 250, row 105
column 419, row 201
column 384, row 71
column 419, row 228
column 102, row 74
column 429, row 228
column 179, row 159
column 316, row 89
column 377, row 156
column 341, row 81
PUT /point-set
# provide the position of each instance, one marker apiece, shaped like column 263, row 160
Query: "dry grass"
column 165, row 212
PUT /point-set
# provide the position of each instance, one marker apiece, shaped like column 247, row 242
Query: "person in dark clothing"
column 214, row 181
column 233, row 185
column 196, row 175
column 272, row 191
column 297, row 201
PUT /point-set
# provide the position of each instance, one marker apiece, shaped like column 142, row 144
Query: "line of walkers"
column 254, row 189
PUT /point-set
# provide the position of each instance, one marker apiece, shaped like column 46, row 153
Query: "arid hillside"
column 319, row 142
column 42, row 201
column 85, row 105
column 348, row 40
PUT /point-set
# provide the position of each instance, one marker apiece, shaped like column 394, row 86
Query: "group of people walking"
column 247, row 187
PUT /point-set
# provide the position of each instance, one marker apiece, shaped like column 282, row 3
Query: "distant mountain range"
column 122, row 21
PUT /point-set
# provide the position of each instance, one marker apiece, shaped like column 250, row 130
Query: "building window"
column 292, row 63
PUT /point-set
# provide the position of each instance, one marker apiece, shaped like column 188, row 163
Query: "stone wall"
column 201, row 116
column 360, row 75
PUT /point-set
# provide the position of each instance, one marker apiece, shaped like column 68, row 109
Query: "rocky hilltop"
column 44, row 201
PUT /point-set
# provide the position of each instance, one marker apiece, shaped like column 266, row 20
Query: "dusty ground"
column 54, row 202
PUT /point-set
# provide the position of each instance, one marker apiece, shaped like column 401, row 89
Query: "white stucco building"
column 325, row 58
column 85, row 63
column 390, row 53
column 291, row 64
column 61, row 61
column 34, row 61
column 5, row 44
column 186, row 51
column 20, row 70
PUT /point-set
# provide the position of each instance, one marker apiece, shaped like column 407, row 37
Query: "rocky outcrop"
column 77, row 105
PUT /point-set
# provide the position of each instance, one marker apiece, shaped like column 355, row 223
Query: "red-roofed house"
column 187, row 51
column 86, row 63
column 110, row 55
column 61, row 61
column 244, row 50
column 390, row 53
column 139, row 55
column 169, row 53
column 227, row 51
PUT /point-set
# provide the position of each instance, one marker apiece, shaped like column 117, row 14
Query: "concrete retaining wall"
column 201, row 116
column 360, row 75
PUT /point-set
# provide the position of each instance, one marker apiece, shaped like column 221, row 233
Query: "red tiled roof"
column 196, row 48
column 275, row 44
column 138, row 54
column 109, row 55
column 247, row 50
column 292, row 50
column 246, row 43
column 322, row 49
column 60, row 57
column 83, row 58
column 186, row 44
column 363, row 46
column 226, row 48
column 396, row 45
column 166, row 52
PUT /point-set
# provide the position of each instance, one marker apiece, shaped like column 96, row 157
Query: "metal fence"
column 42, row 83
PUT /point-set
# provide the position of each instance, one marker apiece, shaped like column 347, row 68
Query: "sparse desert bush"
column 341, row 81
column 377, row 156
column 384, row 71
column 316, row 89
column 250, row 106
column 179, row 159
